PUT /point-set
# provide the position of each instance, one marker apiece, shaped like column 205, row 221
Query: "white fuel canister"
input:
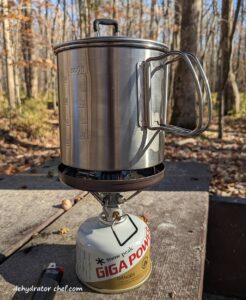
column 113, row 258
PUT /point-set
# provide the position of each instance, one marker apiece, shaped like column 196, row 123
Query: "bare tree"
column 114, row 9
column 231, row 93
column 9, row 55
column 210, row 56
column 177, row 24
column 141, row 19
column 80, row 18
column 64, row 20
column 47, row 48
column 128, row 18
column 28, row 49
column 152, row 18
column 87, row 17
column 184, row 112
column 240, row 41
column 175, row 44
column 228, row 94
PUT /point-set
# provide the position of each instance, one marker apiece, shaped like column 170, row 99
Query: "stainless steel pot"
column 113, row 101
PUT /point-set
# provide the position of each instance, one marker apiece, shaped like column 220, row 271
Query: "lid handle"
column 98, row 22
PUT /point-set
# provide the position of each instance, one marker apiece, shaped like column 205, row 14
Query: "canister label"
column 122, row 271
column 128, row 279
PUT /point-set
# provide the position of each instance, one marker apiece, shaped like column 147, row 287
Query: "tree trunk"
column 80, row 19
column 9, row 56
column 128, row 18
column 175, row 45
column 212, row 64
column 228, row 95
column 240, row 42
column 87, row 17
column 152, row 35
column 231, row 96
column 52, row 40
column 177, row 24
column 47, row 71
column 184, row 108
column 114, row 9
column 17, row 57
column 88, row 9
column 64, row 20
column 141, row 24
column 227, row 77
column 97, row 4
column 28, row 49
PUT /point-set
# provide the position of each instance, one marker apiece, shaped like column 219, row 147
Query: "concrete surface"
column 27, row 200
column 184, row 176
column 178, row 222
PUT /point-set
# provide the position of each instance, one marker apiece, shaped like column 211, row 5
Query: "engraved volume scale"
column 113, row 101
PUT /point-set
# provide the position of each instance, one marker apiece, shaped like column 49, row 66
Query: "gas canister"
column 113, row 258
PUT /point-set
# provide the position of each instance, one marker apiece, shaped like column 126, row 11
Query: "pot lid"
column 110, row 41
column 115, row 41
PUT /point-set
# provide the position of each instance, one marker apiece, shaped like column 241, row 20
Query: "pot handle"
column 98, row 22
column 190, row 60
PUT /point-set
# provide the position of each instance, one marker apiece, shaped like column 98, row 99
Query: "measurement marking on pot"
column 77, row 70
column 83, row 115
column 67, row 115
column 67, row 131
column 83, row 131
column 82, row 84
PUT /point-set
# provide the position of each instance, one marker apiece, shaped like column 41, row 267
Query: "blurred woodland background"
column 213, row 30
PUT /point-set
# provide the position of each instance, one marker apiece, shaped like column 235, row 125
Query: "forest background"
column 215, row 31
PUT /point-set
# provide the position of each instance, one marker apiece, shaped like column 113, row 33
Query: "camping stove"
column 113, row 102
column 113, row 249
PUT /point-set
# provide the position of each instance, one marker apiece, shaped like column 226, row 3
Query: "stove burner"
column 115, row 181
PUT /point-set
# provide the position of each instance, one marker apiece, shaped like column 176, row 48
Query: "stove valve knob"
column 116, row 216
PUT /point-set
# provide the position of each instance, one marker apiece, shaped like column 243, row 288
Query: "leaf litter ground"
column 226, row 158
